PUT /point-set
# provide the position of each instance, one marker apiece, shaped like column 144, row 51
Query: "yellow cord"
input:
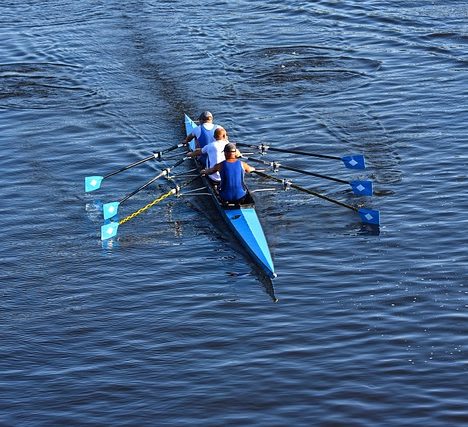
column 149, row 205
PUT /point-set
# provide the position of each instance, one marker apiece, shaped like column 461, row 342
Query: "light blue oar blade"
column 369, row 216
column 110, row 209
column 362, row 188
column 356, row 161
column 93, row 183
column 109, row 230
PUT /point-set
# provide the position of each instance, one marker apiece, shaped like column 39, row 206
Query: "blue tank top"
column 206, row 136
column 232, row 186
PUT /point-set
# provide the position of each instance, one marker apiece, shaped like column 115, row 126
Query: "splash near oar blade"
column 369, row 216
column 109, row 230
column 110, row 209
column 362, row 188
column 355, row 161
column 93, row 183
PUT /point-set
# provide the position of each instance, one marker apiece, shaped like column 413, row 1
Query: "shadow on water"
column 369, row 229
column 267, row 284
column 206, row 208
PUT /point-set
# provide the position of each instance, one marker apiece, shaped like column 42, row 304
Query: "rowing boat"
column 242, row 219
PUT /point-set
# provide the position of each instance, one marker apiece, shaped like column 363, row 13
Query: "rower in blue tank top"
column 204, row 132
column 232, row 188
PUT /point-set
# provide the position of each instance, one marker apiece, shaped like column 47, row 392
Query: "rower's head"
column 220, row 134
column 230, row 151
column 205, row 117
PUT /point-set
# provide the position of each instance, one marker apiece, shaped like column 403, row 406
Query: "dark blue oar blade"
column 369, row 216
column 362, row 188
column 109, row 230
column 93, row 183
column 355, row 161
column 110, row 209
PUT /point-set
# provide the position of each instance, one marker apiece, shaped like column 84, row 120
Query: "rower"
column 232, row 188
column 214, row 152
column 204, row 132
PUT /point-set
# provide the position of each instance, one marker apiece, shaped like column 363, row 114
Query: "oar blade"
column 362, row 188
column 109, row 230
column 369, row 216
column 93, row 183
column 110, row 209
column 355, row 161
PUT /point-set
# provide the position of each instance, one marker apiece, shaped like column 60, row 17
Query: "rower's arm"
column 194, row 153
column 209, row 171
column 247, row 167
column 189, row 137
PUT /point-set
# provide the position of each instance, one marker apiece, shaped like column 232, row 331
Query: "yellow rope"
column 149, row 205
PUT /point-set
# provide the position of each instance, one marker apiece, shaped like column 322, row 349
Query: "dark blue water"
column 171, row 324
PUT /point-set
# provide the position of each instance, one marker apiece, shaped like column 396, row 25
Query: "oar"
column 359, row 187
column 110, row 230
column 94, row 182
column 368, row 216
column 354, row 161
column 110, row 209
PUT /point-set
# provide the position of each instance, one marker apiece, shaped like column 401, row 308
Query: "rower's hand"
column 203, row 172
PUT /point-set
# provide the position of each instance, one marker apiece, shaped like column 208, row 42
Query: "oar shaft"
column 164, row 172
column 139, row 162
column 289, row 168
column 160, row 153
column 306, row 190
column 318, row 175
column 322, row 196
column 264, row 148
column 146, row 184
column 173, row 191
column 304, row 153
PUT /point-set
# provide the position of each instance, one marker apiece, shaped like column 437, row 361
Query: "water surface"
column 171, row 324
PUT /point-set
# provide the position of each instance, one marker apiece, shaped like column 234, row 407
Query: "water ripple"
column 170, row 324
column 39, row 86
